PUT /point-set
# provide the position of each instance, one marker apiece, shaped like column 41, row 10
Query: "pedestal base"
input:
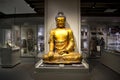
column 79, row 67
column 11, row 65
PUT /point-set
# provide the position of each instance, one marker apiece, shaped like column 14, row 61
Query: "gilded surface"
column 61, row 45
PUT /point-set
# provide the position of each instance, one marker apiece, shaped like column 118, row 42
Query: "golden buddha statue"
column 61, row 44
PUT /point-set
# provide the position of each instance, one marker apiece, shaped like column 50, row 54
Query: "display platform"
column 10, row 57
column 79, row 67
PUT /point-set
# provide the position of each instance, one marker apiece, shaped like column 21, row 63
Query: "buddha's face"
column 60, row 21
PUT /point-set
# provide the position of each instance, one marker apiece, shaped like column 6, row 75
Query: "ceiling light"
column 28, row 5
column 110, row 10
column 94, row 5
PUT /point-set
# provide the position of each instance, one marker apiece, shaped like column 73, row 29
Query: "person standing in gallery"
column 102, row 44
column 93, row 47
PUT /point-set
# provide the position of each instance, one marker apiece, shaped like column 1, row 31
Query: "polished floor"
column 26, row 71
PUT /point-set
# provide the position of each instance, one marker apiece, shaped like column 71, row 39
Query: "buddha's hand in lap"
column 63, row 52
column 51, row 54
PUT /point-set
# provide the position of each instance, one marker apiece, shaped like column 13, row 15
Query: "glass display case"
column 113, row 40
column 97, row 41
column 85, row 38
column 9, row 46
column 101, row 37
column 10, row 37
column 6, row 35
column 28, row 40
column 40, row 39
column 40, row 42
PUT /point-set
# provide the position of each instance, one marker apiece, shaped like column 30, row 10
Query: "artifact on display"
column 61, row 44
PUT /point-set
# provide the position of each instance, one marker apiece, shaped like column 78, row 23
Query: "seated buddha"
column 61, row 44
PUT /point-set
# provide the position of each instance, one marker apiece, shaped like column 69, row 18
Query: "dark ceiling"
column 88, row 7
column 99, row 8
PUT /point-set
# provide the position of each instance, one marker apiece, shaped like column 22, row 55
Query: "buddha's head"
column 60, row 20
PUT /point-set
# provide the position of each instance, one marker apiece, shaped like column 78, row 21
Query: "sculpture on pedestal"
column 61, row 44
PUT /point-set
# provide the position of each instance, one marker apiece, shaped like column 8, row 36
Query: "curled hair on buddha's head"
column 60, row 14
